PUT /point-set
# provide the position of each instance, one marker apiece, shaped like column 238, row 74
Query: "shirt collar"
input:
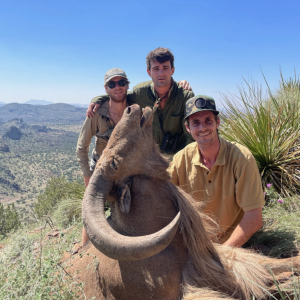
column 167, row 95
column 196, row 160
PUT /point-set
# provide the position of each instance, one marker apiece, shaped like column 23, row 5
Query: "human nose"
column 201, row 126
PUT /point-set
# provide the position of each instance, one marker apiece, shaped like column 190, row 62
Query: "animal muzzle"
column 110, row 242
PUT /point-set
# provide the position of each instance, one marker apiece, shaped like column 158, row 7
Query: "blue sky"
column 59, row 51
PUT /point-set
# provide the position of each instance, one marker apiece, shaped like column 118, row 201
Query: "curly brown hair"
column 161, row 55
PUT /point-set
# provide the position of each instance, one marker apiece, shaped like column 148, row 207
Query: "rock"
column 13, row 133
column 53, row 233
column 36, row 230
column 76, row 248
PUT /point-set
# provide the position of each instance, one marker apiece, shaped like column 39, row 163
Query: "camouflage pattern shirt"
column 169, row 120
column 101, row 126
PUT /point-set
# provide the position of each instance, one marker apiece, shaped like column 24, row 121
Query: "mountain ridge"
column 56, row 113
column 38, row 102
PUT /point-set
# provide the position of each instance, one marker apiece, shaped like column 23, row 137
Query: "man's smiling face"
column 161, row 73
column 203, row 127
column 118, row 93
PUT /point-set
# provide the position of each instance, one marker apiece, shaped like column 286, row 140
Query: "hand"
column 86, row 181
column 91, row 109
column 185, row 85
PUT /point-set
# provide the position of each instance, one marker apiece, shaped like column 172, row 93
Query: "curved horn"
column 108, row 241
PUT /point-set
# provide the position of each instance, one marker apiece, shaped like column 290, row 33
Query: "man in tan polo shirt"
column 106, row 117
column 221, row 174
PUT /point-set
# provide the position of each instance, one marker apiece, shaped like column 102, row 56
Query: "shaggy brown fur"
column 231, row 271
column 190, row 267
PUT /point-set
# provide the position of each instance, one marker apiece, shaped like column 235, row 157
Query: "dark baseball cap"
column 114, row 72
column 200, row 103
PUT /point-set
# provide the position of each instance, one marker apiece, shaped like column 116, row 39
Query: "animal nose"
column 128, row 110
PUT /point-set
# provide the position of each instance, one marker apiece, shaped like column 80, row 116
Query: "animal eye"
column 114, row 165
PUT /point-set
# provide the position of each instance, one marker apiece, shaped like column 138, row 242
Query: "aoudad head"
column 131, row 150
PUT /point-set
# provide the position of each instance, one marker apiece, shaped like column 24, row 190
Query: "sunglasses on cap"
column 203, row 103
column 121, row 83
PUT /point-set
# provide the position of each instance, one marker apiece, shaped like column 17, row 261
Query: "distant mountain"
column 44, row 102
column 79, row 105
column 57, row 113
column 38, row 102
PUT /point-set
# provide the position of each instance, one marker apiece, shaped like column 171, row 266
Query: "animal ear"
column 124, row 196
column 147, row 117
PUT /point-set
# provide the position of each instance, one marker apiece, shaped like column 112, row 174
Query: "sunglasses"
column 203, row 103
column 121, row 83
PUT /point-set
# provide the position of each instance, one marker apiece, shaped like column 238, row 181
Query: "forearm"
column 83, row 144
column 250, row 223
column 83, row 160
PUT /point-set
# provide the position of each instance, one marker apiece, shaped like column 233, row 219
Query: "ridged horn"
column 110, row 242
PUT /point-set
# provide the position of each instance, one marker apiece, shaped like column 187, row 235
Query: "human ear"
column 105, row 87
column 187, row 127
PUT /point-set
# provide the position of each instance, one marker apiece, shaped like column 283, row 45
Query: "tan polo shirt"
column 101, row 126
column 232, row 187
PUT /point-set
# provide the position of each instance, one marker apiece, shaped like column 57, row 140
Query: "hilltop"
column 58, row 113
column 38, row 102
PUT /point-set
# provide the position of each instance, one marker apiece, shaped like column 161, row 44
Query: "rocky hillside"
column 32, row 153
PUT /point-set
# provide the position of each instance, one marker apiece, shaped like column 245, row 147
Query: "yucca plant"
column 288, row 88
column 269, row 128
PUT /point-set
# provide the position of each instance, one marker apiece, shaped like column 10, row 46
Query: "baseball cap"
column 114, row 72
column 200, row 103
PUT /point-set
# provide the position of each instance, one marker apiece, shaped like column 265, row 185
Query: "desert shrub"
column 9, row 219
column 67, row 210
column 269, row 127
column 57, row 190
column 288, row 89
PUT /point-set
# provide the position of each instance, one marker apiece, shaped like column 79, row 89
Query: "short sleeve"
column 249, row 194
column 173, row 173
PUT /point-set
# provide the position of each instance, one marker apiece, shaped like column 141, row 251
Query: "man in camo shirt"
column 106, row 117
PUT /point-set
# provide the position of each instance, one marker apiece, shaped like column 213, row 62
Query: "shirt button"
column 209, row 181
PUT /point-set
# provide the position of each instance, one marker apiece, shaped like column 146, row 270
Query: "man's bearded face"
column 118, row 93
